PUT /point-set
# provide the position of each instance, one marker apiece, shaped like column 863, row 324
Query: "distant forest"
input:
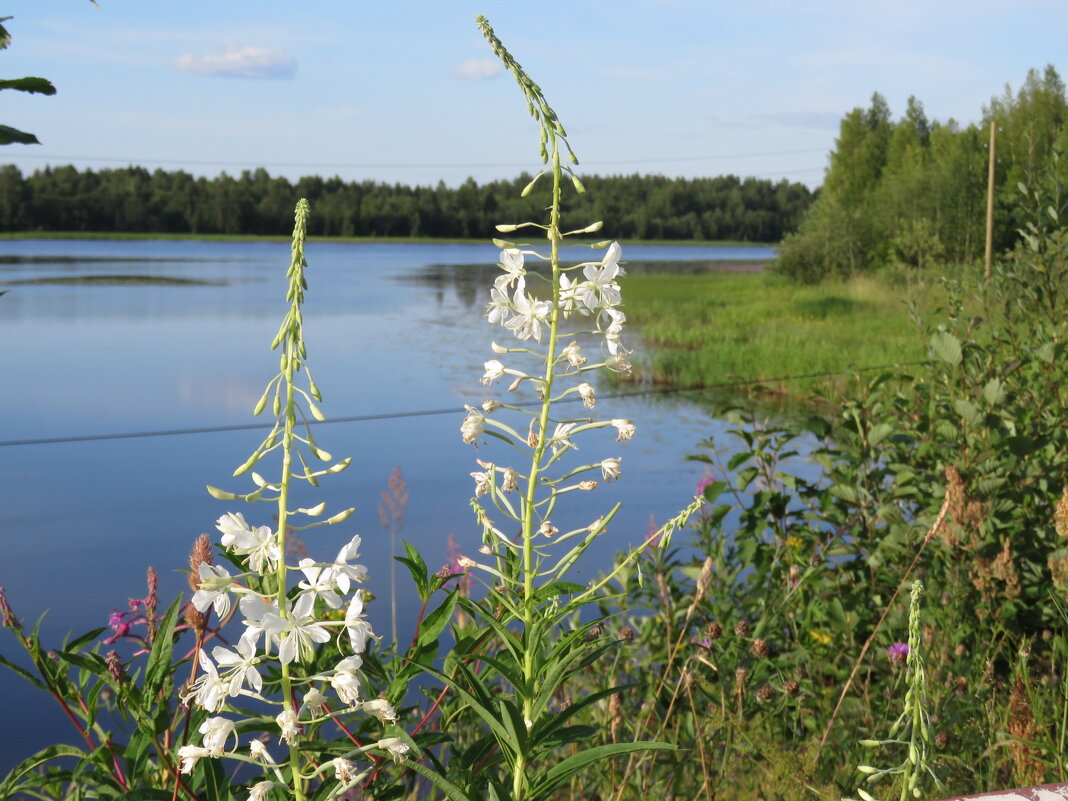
column 911, row 193
column 134, row 199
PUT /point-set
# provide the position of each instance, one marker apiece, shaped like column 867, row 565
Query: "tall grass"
column 721, row 328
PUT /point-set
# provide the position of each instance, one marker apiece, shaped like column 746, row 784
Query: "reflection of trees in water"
column 470, row 283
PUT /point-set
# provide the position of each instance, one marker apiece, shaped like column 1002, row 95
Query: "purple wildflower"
column 704, row 483
column 704, row 643
column 898, row 653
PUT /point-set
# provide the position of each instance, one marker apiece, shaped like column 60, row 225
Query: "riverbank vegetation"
column 136, row 200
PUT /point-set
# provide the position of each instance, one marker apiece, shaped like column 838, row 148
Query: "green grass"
column 717, row 328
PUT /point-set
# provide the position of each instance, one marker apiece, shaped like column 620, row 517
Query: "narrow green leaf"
column 453, row 792
column 564, row 770
column 22, row 672
column 159, row 668
column 435, row 622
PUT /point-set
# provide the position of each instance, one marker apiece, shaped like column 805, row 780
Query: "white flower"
column 625, row 429
column 189, row 754
column 381, row 709
column 257, row 750
column 344, row 770
column 318, row 583
column 242, row 662
column 494, row 370
column 529, row 313
column 482, row 483
column 258, row 791
column 610, row 468
column 600, row 289
column 359, row 630
column 345, row 681
column 512, row 264
column 313, row 702
column 473, row 425
column 395, row 746
column 232, row 525
column 344, row 573
column 510, row 481
column 287, row 725
column 217, row 731
column 208, row 691
column 490, row 406
column 499, row 309
column 215, row 583
column 296, row 632
column 561, row 438
column 574, row 355
column 589, row 398
column 254, row 608
column 570, row 295
column 547, row 529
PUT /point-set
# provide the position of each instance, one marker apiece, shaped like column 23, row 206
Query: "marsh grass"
column 720, row 328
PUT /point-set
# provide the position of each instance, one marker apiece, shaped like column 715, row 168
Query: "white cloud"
column 476, row 68
column 244, row 62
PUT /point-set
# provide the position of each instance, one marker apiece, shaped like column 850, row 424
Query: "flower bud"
column 506, row 229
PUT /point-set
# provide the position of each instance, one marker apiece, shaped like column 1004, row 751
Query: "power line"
column 372, row 165
column 363, row 418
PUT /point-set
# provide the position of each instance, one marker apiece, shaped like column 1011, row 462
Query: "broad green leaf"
column 879, row 433
column 40, row 86
column 968, row 411
column 435, row 622
column 946, row 347
column 417, row 567
column 994, row 391
column 1046, row 352
column 845, row 492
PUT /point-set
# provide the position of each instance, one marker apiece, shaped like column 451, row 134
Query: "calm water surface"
column 390, row 329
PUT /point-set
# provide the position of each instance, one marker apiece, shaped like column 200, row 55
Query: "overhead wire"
column 363, row 418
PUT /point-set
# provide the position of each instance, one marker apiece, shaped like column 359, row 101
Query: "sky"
column 409, row 92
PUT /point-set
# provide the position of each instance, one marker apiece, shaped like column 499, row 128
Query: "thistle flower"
column 898, row 653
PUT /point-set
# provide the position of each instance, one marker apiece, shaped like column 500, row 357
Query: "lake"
column 395, row 338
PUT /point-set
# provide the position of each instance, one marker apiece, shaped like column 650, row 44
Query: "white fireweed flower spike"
column 345, row 681
column 473, row 425
column 214, row 590
column 358, row 629
column 189, row 755
column 217, row 732
column 561, row 438
column 242, row 664
column 494, row 370
column 381, row 709
column 394, row 746
column 624, row 428
column 259, row 791
column 287, row 725
column 589, row 397
column 610, row 468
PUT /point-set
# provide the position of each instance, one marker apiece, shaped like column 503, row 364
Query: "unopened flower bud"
column 764, row 694
column 499, row 349
column 115, row 667
column 741, row 628
column 515, row 384
column 760, row 648
column 792, row 688
column 713, row 631
column 506, row 229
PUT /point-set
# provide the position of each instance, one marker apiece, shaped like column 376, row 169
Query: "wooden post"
column 990, row 204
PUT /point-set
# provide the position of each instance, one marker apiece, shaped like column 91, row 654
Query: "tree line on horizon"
column 911, row 194
column 137, row 200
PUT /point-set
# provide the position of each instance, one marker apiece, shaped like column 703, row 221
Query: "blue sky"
column 408, row 92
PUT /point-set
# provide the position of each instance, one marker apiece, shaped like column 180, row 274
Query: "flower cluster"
column 287, row 631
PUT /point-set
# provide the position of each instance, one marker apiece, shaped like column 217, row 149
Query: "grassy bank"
column 125, row 236
column 722, row 328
